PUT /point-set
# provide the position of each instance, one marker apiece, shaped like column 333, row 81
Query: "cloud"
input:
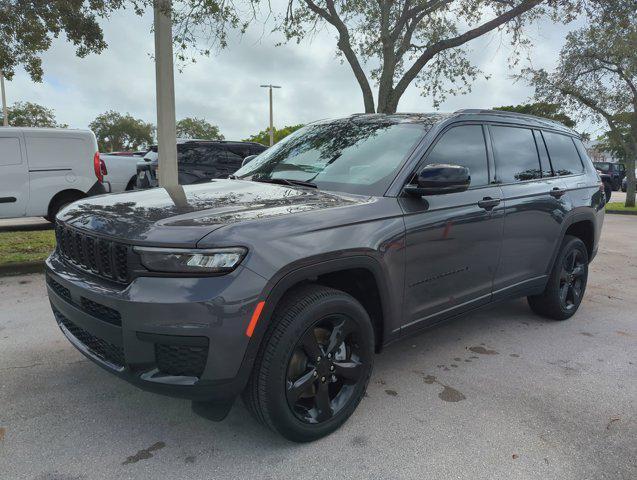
column 224, row 88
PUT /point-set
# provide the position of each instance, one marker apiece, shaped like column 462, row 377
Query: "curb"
column 620, row 212
column 21, row 268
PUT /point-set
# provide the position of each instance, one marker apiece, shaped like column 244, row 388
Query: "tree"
column 596, row 77
column 28, row 114
column 608, row 142
column 28, row 28
column 551, row 111
column 415, row 41
column 115, row 131
column 263, row 137
column 192, row 127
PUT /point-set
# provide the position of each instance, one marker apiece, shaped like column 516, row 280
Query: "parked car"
column 121, row 169
column 280, row 283
column 198, row 161
column 44, row 169
column 616, row 171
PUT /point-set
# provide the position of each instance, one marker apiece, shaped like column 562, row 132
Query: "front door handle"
column 488, row 203
column 557, row 192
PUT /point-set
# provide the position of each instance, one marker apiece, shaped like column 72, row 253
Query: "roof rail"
column 508, row 114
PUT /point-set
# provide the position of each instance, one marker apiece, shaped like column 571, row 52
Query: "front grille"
column 102, row 312
column 100, row 348
column 99, row 256
column 181, row 360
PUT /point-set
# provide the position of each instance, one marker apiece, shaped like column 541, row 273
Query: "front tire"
column 567, row 284
column 314, row 364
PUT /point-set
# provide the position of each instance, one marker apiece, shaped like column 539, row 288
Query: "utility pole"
column 165, row 91
column 5, row 114
column 271, row 114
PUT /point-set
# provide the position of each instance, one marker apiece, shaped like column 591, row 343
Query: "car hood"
column 182, row 215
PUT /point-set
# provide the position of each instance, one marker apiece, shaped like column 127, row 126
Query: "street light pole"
column 271, row 113
column 5, row 114
column 165, row 92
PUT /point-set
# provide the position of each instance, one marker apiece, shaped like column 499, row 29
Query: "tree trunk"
column 630, row 181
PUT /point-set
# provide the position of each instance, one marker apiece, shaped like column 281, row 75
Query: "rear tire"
column 314, row 364
column 567, row 283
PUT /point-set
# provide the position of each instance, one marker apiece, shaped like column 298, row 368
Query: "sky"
column 224, row 88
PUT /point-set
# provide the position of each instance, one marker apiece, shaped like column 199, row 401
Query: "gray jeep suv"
column 280, row 283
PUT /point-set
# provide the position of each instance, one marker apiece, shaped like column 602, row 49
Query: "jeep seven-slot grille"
column 99, row 256
column 113, row 354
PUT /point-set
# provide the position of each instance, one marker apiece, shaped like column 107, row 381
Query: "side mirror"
column 248, row 159
column 437, row 179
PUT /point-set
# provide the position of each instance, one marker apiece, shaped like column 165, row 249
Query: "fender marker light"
column 255, row 318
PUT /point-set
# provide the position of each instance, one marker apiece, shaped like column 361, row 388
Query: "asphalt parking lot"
column 499, row 394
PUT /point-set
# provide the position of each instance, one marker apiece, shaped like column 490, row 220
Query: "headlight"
column 175, row 260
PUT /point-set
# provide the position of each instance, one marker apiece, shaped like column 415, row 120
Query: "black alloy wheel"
column 313, row 365
column 566, row 285
column 324, row 368
column 572, row 279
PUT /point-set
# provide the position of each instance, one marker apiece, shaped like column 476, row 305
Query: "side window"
column 465, row 146
column 516, row 157
column 564, row 156
column 234, row 157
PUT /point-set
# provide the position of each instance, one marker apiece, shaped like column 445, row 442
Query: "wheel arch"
column 70, row 192
column 349, row 274
column 582, row 225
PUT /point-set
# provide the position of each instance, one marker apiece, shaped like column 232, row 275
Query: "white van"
column 44, row 169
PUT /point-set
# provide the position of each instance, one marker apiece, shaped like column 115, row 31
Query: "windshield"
column 349, row 155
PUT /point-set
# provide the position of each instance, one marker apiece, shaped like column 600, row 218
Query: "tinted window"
column 515, row 154
column 563, row 153
column 463, row 146
column 194, row 155
column 602, row 166
column 350, row 155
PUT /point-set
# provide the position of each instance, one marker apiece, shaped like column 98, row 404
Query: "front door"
column 452, row 240
column 14, row 177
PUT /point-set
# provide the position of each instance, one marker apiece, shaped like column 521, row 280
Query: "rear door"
column 452, row 240
column 535, row 205
column 14, row 175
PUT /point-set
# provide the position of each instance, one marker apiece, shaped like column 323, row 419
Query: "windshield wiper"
column 286, row 181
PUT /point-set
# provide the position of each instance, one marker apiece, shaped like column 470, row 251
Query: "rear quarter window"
column 563, row 153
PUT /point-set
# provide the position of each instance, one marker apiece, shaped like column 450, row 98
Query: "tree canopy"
column 551, row 111
column 115, row 131
column 27, row 29
column 263, row 137
column 596, row 77
column 29, row 114
column 415, row 41
column 192, row 127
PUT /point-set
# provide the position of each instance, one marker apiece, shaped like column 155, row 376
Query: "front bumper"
column 183, row 337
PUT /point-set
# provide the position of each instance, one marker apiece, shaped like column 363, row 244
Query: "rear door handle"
column 557, row 192
column 488, row 203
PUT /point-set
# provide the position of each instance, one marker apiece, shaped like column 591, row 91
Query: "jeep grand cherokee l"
column 280, row 283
